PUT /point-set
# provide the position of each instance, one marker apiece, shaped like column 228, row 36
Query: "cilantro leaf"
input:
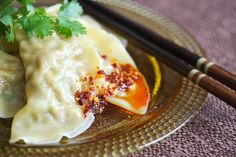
column 6, row 21
column 70, row 9
column 5, row 3
column 10, row 36
column 25, row 2
column 27, row 7
column 37, row 24
column 66, row 25
column 69, row 28
column 8, row 11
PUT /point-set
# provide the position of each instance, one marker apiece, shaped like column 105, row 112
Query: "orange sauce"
column 140, row 96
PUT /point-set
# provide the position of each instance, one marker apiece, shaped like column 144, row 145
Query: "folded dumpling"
column 114, row 48
column 68, row 80
column 11, row 85
column 53, row 67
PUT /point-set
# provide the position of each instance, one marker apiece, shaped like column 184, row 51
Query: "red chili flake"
column 123, row 75
column 91, row 88
column 121, row 78
column 114, row 65
column 104, row 56
column 90, row 79
column 82, row 97
column 86, row 109
column 85, row 78
column 100, row 72
column 77, row 94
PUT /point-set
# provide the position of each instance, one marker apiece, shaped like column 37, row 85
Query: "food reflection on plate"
column 56, row 85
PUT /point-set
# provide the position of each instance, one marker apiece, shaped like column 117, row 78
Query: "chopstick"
column 161, row 53
column 199, row 62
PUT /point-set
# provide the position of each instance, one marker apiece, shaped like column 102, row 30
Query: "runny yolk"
column 140, row 96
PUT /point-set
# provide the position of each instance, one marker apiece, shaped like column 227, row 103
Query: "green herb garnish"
column 65, row 25
column 35, row 22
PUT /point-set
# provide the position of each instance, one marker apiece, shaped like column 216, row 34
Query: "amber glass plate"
column 118, row 133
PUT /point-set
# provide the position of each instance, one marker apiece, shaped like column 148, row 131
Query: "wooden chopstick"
column 171, row 60
column 199, row 62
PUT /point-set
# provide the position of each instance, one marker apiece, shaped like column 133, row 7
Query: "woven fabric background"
column 213, row 131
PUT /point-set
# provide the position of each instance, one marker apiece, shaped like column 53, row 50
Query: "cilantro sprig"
column 38, row 24
column 65, row 25
column 35, row 21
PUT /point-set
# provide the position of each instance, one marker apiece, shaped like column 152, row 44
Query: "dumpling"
column 11, row 85
column 53, row 67
column 60, row 72
column 135, row 101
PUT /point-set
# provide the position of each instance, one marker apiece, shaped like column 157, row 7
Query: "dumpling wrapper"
column 116, row 50
column 53, row 69
column 113, row 46
column 11, row 85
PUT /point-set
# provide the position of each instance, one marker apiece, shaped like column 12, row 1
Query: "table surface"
column 212, row 132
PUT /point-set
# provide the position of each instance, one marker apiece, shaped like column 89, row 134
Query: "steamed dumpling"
column 114, row 47
column 53, row 68
column 54, row 71
column 11, row 85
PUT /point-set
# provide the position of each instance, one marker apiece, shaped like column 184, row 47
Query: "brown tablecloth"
column 213, row 131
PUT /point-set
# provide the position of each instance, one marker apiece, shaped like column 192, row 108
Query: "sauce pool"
column 140, row 96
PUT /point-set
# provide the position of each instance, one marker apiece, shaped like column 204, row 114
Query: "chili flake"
column 121, row 78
